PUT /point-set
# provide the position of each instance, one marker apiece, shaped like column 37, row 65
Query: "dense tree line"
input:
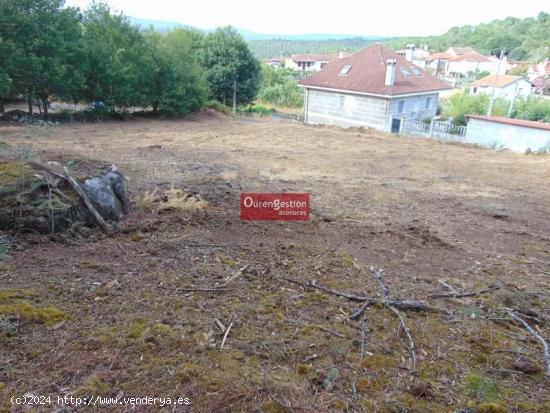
column 523, row 39
column 461, row 104
column 99, row 58
column 264, row 49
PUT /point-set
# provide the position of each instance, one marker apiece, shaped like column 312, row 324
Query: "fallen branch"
column 455, row 294
column 363, row 333
column 545, row 351
column 67, row 177
column 225, row 335
column 197, row 289
column 220, row 325
column 385, row 291
column 366, row 300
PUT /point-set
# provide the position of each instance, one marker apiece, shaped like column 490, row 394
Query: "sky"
column 357, row 17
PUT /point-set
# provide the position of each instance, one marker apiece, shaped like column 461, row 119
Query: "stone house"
column 370, row 88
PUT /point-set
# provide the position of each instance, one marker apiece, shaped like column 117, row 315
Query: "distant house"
column 515, row 134
column 418, row 56
column 275, row 62
column 540, row 69
column 309, row 62
column 370, row 88
column 541, row 85
column 504, row 86
column 464, row 62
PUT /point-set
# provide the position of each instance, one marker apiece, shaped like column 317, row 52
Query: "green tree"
column 40, row 41
column 117, row 60
column 229, row 66
column 177, row 84
column 279, row 87
column 532, row 108
column 461, row 104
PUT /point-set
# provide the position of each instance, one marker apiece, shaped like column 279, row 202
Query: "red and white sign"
column 275, row 206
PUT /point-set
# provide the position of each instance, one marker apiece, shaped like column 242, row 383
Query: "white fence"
column 434, row 129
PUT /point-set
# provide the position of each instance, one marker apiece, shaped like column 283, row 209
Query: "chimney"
column 341, row 55
column 409, row 52
column 390, row 72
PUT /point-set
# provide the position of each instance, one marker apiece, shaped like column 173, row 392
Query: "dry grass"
column 420, row 209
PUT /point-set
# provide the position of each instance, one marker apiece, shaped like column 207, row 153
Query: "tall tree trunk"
column 2, row 109
column 45, row 107
column 29, row 101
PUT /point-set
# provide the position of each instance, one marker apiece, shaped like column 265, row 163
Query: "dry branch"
column 545, row 350
column 385, row 291
column 366, row 300
column 225, row 335
column 455, row 294
column 67, row 177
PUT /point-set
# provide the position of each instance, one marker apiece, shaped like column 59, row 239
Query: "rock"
column 115, row 179
column 103, row 198
column 527, row 366
column 422, row 389
column 108, row 194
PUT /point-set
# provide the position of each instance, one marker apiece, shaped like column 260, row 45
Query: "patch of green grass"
column 482, row 388
column 48, row 315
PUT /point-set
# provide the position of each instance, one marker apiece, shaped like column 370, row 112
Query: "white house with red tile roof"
column 370, row 88
column 309, row 62
column 504, row 86
column 463, row 62
column 540, row 69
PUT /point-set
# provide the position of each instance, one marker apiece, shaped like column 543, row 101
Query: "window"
column 400, row 106
column 475, row 90
column 341, row 101
column 416, row 71
column 345, row 70
column 428, row 101
column 404, row 71
column 323, row 64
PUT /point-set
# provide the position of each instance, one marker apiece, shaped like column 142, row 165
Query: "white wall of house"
column 305, row 66
column 466, row 68
column 347, row 109
column 414, row 107
column 520, row 88
column 499, row 135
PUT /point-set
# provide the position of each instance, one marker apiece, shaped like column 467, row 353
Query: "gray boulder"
column 108, row 194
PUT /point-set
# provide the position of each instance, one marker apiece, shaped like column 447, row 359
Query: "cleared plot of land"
column 108, row 315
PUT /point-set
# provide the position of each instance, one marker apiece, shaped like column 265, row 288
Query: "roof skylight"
column 345, row 70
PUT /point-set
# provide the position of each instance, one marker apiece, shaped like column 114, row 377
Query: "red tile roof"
column 510, row 121
column 368, row 73
column 471, row 57
column 497, row 81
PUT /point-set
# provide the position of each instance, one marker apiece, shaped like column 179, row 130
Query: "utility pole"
column 513, row 99
column 235, row 97
column 492, row 100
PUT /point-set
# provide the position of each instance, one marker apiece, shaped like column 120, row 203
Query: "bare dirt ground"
column 115, row 315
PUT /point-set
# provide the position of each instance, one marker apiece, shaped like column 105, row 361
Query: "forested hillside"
column 524, row 39
column 264, row 49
